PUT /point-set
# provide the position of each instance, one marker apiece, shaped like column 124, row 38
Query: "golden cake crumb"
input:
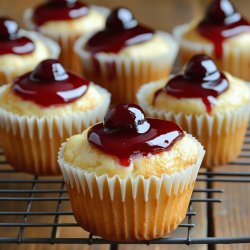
column 13, row 103
column 78, row 26
column 80, row 153
column 234, row 97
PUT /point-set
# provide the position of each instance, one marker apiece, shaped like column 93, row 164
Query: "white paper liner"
column 39, row 138
column 174, row 183
column 121, row 74
column 228, row 123
column 53, row 47
column 235, row 60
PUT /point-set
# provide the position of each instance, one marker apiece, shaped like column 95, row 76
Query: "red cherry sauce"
column 10, row 40
column 222, row 21
column 126, row 134
column 201, row 79
column 49, row 84
column 121, row 30
column 59, row 10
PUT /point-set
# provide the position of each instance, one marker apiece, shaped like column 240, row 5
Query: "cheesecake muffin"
column 65, row 21
column 21, row 50
column 42, row 108
column 211, row 105
column 223, row 34
column 130, row 177
column 125, row 55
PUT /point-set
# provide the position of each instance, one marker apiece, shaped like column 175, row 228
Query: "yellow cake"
column 22, row 50
column 184, row 154
column 42, row 108
column 234, row 98
column 122, row 66
column 110, row 194
column 233, row 56
column 220, row 127
column 15, row 104
column 66, row 28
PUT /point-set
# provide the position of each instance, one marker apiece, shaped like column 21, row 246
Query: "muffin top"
column 129, row 144
column 123, row 35
column 17, row 47
column 200, row 88
column 49, row 90
column 70, row 16
column 221, row 23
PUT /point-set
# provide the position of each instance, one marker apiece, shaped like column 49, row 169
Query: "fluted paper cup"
column 134, row 208
column 222, row 134
column 122, row 75
column 31, row 144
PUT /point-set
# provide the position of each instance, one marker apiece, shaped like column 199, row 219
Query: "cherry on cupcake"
column 49, row 70
column 126, row 117
column 120, row 19
column 8, row 28
column 201, row 67
column 221, row 11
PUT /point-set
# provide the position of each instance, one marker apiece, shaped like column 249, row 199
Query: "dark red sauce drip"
column 49, row 84
column 58, row 10
column 10, row 40
column 222, row 21
column 201, row 79
column 121, row 30
column 126, row 134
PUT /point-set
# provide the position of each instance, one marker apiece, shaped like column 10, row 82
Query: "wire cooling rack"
column 43, row 209
column 44, row 214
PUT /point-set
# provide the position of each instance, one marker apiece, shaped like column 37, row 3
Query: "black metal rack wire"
column 36, row 194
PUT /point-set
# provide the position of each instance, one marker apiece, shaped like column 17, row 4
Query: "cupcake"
column 21, row 50
column 211, row 105
column 125, row 55
column 65, row 21
column 130, row 177
column 42, row 108
column 223, row 34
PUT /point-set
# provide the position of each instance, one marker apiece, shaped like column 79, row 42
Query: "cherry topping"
column 120, row 19
column 126, row 133
column 222, row 21
column 49, row 70
column 200, row 79
column 10, row 40
column 221, row 11
column 59, row 10
column 8, row 28
column 201, row 67
column 50, row 84
column 122, row 30
column 126, row 117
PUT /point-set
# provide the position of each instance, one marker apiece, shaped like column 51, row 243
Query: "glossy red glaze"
column 10, row 40
column 222, row 21
column 126, row 134
column 49, row 84
column 58, row 10
column 201, row 79
column 121, row 30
